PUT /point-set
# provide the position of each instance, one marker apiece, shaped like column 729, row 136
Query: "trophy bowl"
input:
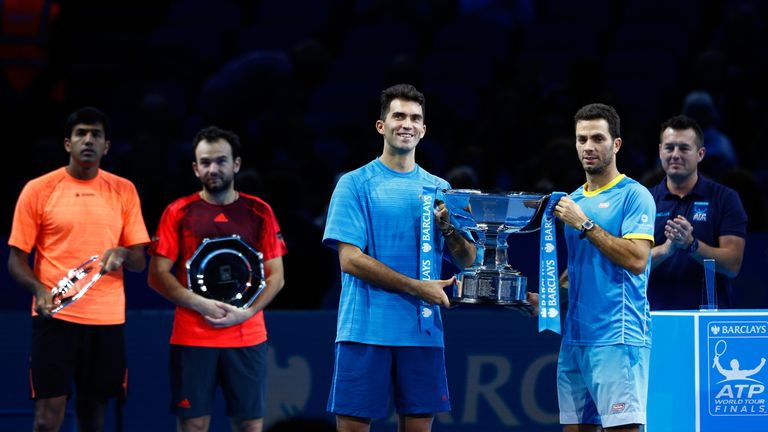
column 489, row 219
column 227, row 269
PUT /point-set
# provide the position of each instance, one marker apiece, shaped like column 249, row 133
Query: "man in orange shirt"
column 66, row 216
column 214, row 343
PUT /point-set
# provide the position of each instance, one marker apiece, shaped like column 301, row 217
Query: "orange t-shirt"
column 67, row 221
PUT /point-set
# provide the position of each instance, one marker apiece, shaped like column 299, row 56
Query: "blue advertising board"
column 732, row 376
column 501, row 372
column 708, row 371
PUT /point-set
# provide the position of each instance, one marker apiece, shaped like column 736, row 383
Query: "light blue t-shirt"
column 607, row 304
column 379, row 211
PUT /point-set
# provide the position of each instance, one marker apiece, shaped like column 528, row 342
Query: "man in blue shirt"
column 696, row 219
column 603, row 363
column 375, row 219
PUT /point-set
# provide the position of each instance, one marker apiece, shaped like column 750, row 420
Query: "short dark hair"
column 213, row 133
column 400, row 91
column 89, row 116
column 597, row 111
column 682, row 122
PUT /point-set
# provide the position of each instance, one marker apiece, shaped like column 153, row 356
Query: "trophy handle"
column 535, row 223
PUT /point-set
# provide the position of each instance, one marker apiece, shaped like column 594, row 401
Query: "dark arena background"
column 299, row 81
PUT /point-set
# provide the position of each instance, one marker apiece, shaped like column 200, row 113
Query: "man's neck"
column 682, row 186
column 399, row 162
column 219, row 198
column 82, row 172
column 597, row 181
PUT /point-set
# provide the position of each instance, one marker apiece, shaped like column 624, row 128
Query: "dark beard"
column 595, row 170
column 598, row 169
column 225, row 184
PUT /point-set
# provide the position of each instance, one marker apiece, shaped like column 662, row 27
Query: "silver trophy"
column 227, row 269
column 75, row 284
column 489, row 219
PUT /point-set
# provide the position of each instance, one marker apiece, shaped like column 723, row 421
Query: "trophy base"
column 501, row 287
column 506, row 303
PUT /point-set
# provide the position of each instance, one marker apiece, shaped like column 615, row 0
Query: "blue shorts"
column 365, row 377
column 605, row 385
column 196, row 371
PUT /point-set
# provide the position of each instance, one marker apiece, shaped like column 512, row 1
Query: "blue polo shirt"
column 607, row 304
column 380, row 211
column 714, row 210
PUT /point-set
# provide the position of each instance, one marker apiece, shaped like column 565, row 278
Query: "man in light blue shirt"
column 603, row 363
column 374, row 222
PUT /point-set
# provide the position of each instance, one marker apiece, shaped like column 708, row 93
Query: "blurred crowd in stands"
column 299, row 81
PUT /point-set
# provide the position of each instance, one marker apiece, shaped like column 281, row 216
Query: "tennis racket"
column 719, row 350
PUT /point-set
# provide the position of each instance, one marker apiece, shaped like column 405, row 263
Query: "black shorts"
column 93, row 356
column 195, row 373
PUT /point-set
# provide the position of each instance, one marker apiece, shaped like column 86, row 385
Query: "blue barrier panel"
column 708, row 372
column 501, row 373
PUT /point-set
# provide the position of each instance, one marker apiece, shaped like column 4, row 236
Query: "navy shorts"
column 91, row 356
column 195, row 373
column 366, row 376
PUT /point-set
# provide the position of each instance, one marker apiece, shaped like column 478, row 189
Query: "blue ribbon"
column 549, row 291
column 427, row 264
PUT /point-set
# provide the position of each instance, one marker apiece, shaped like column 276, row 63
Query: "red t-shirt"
column 183, row 226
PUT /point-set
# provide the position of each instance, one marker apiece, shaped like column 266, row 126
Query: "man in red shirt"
column 214, row 343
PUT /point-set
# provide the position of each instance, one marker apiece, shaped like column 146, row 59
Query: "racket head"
column 720, row 347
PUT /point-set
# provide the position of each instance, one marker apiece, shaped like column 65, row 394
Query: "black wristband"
column 694, row 246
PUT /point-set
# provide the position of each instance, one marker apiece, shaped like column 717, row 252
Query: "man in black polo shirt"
column 696, row 219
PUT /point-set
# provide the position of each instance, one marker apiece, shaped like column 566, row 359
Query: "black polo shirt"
column 714, row 210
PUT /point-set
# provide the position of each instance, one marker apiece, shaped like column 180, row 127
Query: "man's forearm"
column 169, row 287
column 660, row 253
column 136, row 259
column 373, row 271
column 623, row 252
column 274, row 284
column 21, row 272
column 727, row 260
column 462, row 251
column 377, row 273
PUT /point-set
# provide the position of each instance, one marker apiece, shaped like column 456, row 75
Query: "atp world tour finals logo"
column 700, row 211
column 737, row 376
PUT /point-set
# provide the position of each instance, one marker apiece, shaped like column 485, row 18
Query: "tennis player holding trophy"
column 84, row 225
